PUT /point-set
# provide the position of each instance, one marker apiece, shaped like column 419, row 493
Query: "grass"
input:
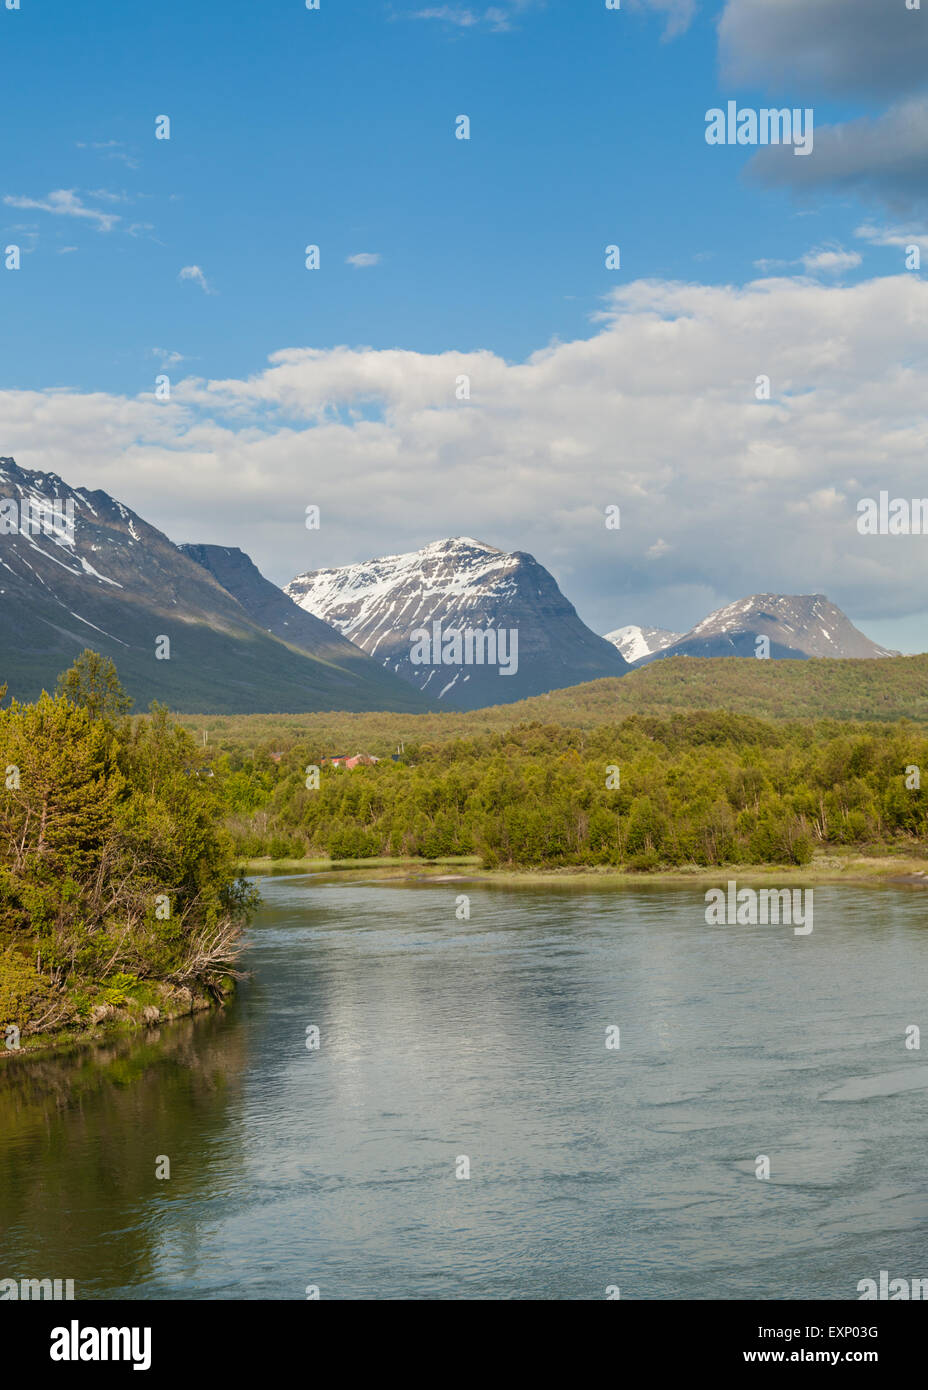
column 310, row 866
column 834, row 867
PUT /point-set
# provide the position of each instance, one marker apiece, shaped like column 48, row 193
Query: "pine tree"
column 93, row 684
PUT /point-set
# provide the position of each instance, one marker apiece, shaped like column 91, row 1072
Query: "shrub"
column 27, row 998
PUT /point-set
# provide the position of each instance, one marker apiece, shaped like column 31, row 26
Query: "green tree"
column 92, row 683
column 115, row 868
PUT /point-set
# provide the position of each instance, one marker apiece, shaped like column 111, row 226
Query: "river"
column 449, row 1046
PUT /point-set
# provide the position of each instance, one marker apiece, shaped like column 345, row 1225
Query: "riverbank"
column 157, row 1003
column 326, row 866
column 824, row 868
column 161, row 1003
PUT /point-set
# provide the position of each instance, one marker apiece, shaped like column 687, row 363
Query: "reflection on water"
column 80, row 1138
column 486, row 1039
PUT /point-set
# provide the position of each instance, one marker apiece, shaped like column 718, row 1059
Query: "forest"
column 703, row 788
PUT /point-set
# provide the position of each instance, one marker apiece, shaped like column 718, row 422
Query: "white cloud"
column 721, row 495
column 893, row 236
column 832, row 260
column 65, row 202
column 363, row 259
column 194, row 273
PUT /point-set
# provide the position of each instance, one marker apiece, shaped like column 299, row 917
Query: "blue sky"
column 337, row 127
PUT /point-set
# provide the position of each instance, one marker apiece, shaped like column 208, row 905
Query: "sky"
column 590, row 386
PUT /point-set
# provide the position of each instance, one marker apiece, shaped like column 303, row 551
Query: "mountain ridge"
column 335, row 638
column 107, row 579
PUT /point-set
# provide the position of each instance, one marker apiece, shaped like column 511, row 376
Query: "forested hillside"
column 707, row 788
column 884, row 690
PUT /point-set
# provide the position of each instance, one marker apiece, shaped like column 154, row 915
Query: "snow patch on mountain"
column 367, row 601
column 636, row 642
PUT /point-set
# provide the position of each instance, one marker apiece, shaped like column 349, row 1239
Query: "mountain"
column 276, row 613
column 78, row 569
column 637, row 642
column 798, row 626
column 461, row 584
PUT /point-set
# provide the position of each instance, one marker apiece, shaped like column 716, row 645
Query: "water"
column 486, row 1039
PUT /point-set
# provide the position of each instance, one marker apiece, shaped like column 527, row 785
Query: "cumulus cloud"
column 363, row 259
column 721, row 495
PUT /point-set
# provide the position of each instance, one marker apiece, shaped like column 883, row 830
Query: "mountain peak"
column 462, row 584
column 451, row 543
column 797, row 626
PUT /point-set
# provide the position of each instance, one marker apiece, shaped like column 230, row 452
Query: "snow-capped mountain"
column 78, row 569
column 798, row 626
column 460, row 584
column 637, row 642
